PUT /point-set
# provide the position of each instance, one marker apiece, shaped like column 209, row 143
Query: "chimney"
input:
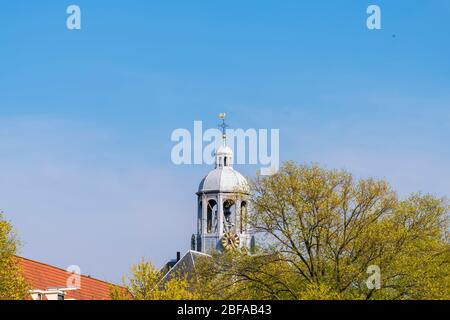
column 178, row 256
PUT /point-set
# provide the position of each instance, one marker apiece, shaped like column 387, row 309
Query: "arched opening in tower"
column 229, row 215
column 211, row 215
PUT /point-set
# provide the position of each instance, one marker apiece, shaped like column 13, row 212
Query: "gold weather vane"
column 223, row 126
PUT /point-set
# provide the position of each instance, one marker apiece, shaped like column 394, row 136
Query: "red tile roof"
column 41, row 276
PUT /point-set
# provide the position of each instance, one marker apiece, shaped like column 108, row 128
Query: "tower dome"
column 223, row 178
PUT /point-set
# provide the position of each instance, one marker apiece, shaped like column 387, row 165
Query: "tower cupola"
column 222, row 204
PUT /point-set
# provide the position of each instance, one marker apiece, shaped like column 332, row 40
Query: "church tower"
column 222, row 205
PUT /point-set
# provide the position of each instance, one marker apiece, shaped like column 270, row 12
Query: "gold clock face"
column 230, row 241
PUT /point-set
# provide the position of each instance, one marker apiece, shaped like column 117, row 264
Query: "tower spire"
column 224, row 127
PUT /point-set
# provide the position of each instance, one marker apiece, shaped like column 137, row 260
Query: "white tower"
column 222, row 205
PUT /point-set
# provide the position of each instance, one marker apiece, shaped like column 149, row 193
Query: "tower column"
column 199, row 214
column 237, row 215
column 220, row 209
column 204, row 214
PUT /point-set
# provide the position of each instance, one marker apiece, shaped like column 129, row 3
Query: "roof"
column 224, row 179
column 41, row 276
column 184, row 266
column 224, row 150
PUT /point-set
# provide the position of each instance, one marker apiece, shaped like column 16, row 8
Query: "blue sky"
column 86, row 116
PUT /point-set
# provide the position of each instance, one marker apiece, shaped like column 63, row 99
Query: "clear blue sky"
column 86, row 116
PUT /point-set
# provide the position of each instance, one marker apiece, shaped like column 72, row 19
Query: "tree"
column 145, row 283
column 12, row 284
column 322, row 231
